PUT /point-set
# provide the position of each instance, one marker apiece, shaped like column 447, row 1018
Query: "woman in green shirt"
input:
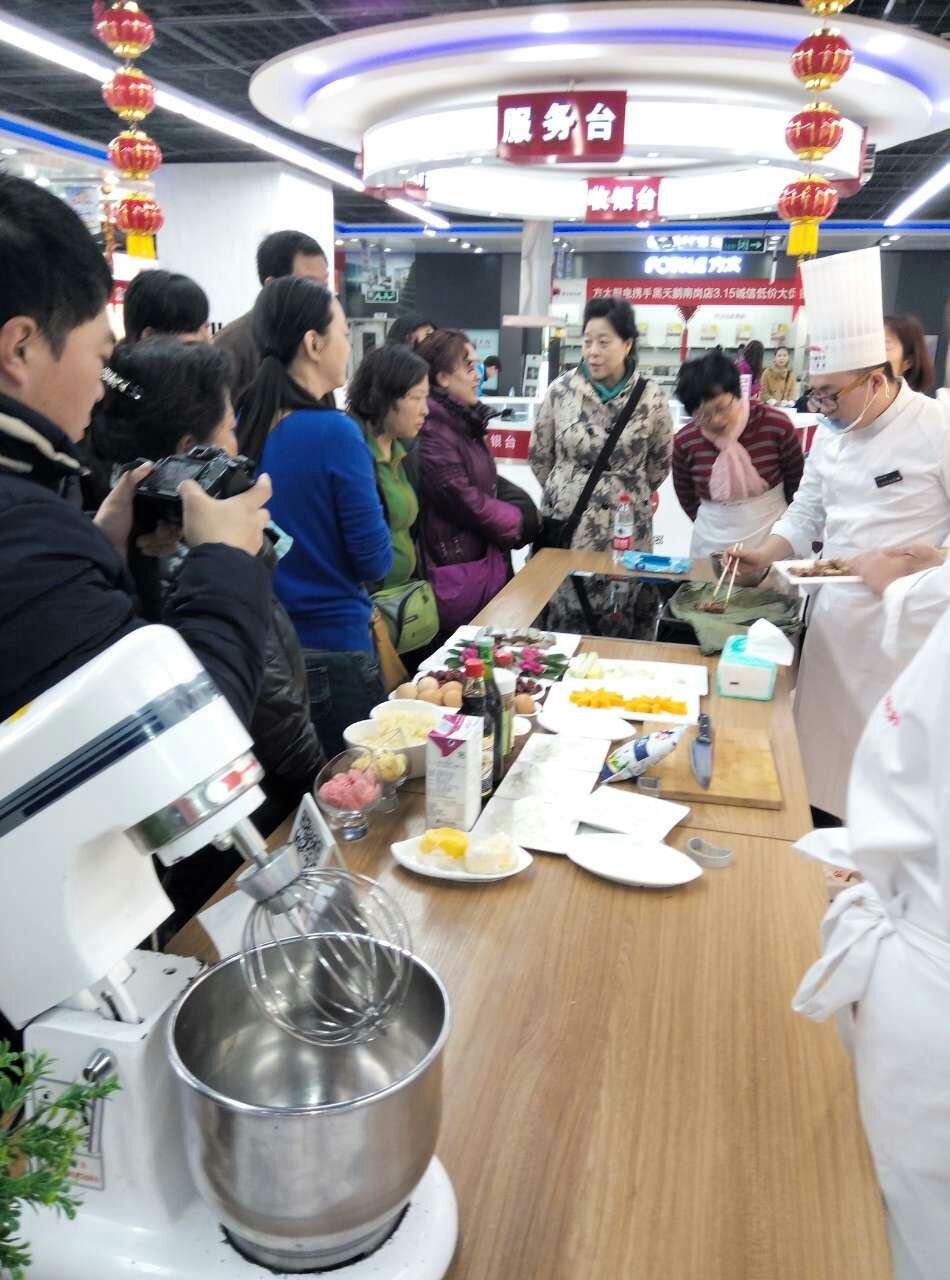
column 388, row 395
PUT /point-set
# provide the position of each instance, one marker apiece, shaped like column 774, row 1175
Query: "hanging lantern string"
column 818, row 62
column 128, row 32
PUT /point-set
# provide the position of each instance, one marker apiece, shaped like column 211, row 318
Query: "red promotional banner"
column 698, row 293
column 575, row 126
column 508, row 444
column 623, row 199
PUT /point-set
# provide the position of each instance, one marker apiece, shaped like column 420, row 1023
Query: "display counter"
column 627, row 1091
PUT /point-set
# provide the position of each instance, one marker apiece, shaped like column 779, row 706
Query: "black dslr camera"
column 220, row 475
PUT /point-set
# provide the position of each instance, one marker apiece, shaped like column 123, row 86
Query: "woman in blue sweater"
column 324, row 496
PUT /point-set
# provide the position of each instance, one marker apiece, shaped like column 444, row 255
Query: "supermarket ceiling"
column 211, row 48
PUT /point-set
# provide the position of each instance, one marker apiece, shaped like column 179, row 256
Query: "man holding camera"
column 65, row 592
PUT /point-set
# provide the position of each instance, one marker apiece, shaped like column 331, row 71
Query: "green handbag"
column 410, row 614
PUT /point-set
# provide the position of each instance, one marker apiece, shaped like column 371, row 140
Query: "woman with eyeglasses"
column 736, row 464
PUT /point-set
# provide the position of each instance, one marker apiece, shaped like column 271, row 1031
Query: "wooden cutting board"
column 743, row 770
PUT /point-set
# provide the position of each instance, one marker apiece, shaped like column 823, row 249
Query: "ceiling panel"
column 210, row 48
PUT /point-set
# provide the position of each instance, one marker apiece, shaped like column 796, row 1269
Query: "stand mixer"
column 232, row 1147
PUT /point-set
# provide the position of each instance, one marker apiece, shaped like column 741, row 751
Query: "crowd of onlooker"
column 387, row 525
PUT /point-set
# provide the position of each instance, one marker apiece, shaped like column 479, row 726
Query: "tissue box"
column 742, row 675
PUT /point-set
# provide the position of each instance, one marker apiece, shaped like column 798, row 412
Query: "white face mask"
column 836, row 427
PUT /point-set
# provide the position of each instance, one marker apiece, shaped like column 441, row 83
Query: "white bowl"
column 355, row 735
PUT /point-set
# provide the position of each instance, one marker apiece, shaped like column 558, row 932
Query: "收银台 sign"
column 623, row 199
column 566, row 126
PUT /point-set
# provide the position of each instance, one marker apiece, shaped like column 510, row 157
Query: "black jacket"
column 285, row 741
column 65, row 596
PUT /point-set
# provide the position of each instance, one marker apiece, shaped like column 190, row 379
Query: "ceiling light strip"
column 30, row 40
column 936, row 183
column 434, row 220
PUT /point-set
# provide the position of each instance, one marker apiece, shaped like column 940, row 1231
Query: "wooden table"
column 628, row 1095
column 519, row 604
column 627, row 1092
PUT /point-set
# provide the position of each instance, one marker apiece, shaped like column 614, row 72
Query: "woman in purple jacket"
column 465, row 530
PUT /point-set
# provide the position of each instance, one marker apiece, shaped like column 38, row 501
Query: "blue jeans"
column 344, row 688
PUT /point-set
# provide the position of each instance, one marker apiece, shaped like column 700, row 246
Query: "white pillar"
column 217, row 214
column 537, row 259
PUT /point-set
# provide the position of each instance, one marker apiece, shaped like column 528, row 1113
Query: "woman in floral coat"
column 572, row 426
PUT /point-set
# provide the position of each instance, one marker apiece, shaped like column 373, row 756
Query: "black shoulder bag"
column 559, row 533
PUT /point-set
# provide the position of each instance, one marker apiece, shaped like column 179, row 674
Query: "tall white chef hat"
column 845, row 311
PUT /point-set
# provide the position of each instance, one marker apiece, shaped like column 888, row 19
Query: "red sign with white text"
column 698, row 293
column 575, row 126
column 623, row 199
column 510, row 444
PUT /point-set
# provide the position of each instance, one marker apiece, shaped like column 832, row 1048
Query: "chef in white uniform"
column 914, row 584
column 885, row 971
column 878, row 475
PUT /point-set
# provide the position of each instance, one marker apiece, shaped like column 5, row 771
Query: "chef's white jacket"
column 912, row 608
column 885, row 971
column 883, row 485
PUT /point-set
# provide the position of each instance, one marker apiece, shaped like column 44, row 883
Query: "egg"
column 426, row 684
column 406, row 691
column 524, row 704
column 452, row 695
column 431, row 695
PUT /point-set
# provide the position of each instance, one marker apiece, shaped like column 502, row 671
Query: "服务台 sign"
column 782, row 293
column 569, row 126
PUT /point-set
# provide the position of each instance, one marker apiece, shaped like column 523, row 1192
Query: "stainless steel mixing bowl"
column 307, row 1155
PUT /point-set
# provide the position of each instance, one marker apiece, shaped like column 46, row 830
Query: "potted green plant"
column 36, row 1151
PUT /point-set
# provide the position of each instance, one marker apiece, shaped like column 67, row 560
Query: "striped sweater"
column 772, row 445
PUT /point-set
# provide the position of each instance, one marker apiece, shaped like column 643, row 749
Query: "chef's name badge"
column 892, row 477
column 817, row 360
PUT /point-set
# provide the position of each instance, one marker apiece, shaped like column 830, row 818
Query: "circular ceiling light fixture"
column 888, row 42
column 553, row 52
column 308, row 64
column 550, row 24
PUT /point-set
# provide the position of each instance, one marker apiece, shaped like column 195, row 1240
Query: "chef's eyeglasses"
column 829, row 403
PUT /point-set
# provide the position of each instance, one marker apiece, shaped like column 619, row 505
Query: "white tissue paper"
column 766, row 641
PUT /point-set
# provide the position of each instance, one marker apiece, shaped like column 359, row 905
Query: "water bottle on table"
column 623, row 527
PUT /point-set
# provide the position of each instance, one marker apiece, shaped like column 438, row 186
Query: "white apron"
column 885, row 968
column 844, row 670
column 719, row 525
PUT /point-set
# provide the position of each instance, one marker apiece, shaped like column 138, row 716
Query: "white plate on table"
column 647, row 864
column 672, row 675
column 784, row 569
column 406, row 853
column 629, row 813
column 606, row 726
column 559, row 701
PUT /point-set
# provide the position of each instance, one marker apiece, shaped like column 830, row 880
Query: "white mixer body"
column 135, row 752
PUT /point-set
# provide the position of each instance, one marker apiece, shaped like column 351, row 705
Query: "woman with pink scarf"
column 736, row 464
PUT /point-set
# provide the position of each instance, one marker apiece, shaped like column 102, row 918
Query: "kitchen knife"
column 701, row 753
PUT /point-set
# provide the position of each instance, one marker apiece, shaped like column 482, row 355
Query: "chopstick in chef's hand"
column 725, row 570
column 735, row 568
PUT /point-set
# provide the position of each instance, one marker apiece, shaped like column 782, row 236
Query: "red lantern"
column 821, row 59
column 803, row 204
column 140, row 218
column 825, row 8
column 130, row 94
column 814, row 132
column 125, row 29
column 134, row 154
